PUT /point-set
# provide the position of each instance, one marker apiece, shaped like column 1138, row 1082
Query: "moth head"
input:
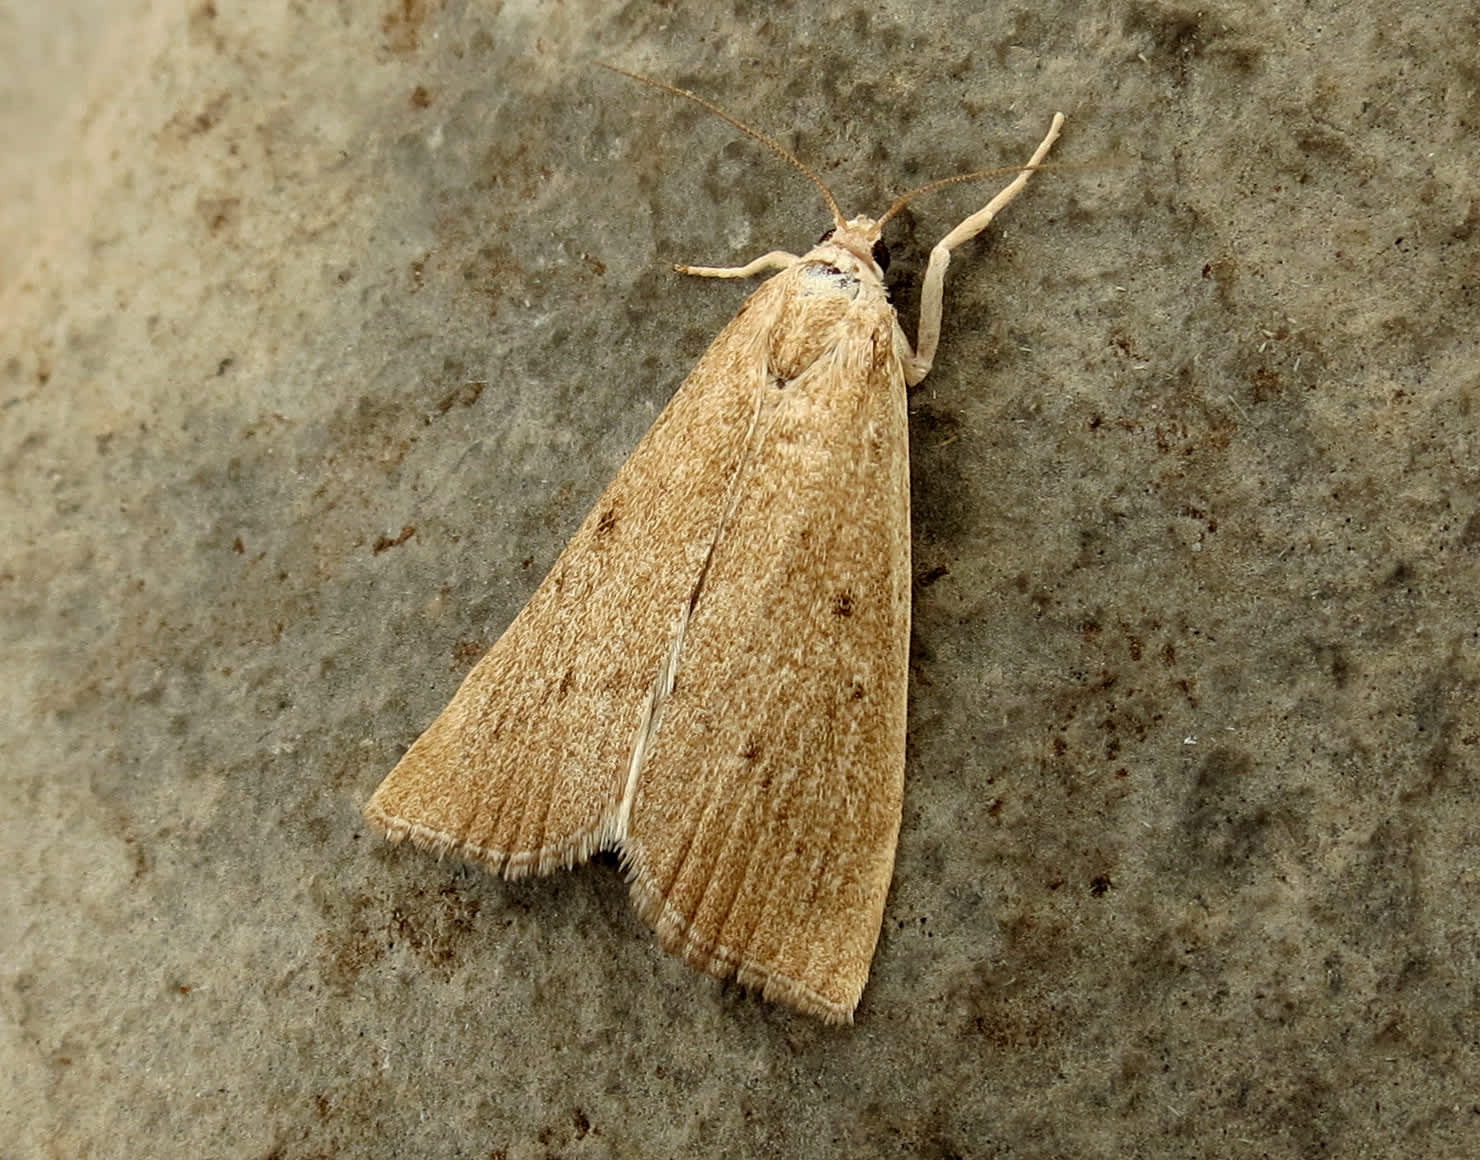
column 861, row 237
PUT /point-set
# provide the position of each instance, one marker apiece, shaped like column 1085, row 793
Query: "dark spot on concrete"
column 385, row 543
column 931, row 575
column 465, row 395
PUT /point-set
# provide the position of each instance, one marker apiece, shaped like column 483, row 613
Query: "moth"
column 711, row 680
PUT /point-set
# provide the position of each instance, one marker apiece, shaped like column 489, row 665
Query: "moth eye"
column 827, row 234
column 881, row 256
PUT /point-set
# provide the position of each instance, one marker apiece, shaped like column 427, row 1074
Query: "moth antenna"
column 776, row 148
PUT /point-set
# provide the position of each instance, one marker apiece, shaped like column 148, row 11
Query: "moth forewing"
column 525, row 768
column 711, row 680
column 762, row 839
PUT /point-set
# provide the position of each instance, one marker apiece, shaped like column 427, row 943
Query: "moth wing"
column 525, row 767
column 762, row 834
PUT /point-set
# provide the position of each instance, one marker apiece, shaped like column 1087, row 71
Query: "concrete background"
column 324, row 324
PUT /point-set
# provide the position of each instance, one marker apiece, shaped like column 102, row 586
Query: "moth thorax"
column 807, row 327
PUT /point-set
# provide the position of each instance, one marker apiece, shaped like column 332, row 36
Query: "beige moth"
column 711, row 680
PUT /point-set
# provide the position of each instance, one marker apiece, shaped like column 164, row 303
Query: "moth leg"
column 775, row 260
column 927, row 334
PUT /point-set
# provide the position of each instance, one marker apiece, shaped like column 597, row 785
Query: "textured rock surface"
column 323, row 328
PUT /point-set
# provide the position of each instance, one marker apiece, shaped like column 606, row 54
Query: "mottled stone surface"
column 323, row 326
